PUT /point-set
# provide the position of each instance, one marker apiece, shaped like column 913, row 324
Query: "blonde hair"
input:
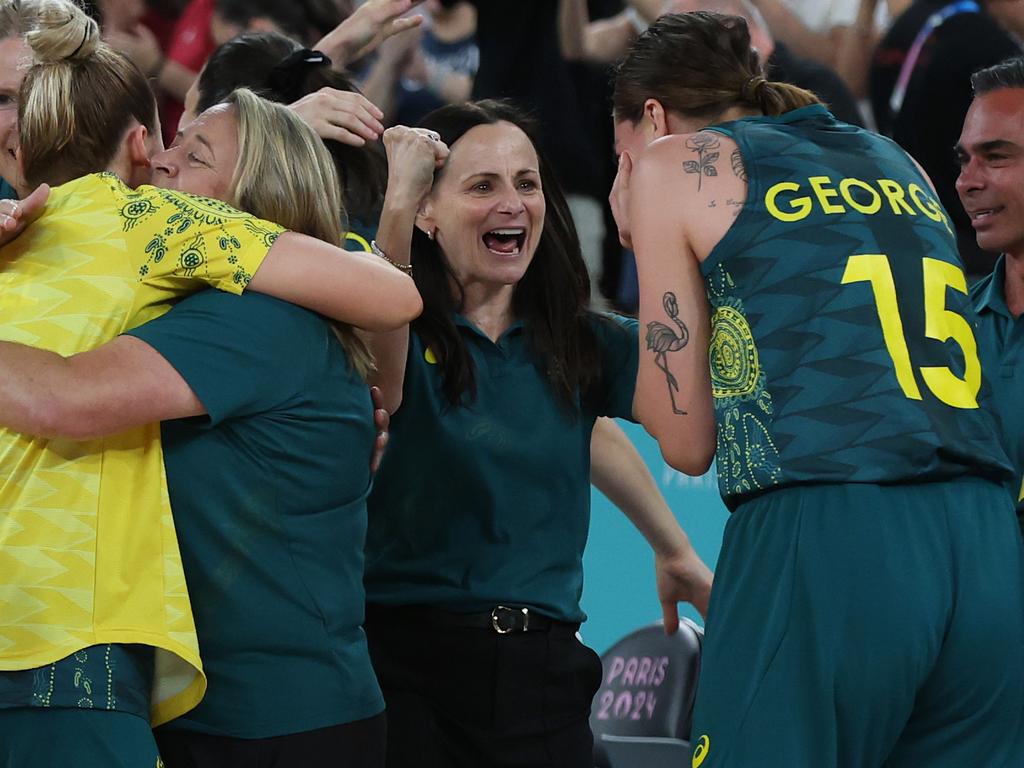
column 285, row 174
column 78, row 98
column 17, row 17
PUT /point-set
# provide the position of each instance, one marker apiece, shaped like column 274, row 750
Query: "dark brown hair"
column 254, row 61
column 550, row 299
column 1006, row 74
column 698, row 65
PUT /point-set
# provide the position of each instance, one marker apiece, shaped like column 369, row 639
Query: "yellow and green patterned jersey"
column 88, row 550
column 842, row 346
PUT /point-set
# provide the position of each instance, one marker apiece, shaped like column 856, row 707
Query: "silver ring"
column 14, row 208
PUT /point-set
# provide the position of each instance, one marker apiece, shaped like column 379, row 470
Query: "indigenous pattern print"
column 747, row 457
column 842, row 347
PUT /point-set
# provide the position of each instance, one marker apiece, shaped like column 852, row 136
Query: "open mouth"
column 505, row 242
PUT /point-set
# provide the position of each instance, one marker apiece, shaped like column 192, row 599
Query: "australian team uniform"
column 1001, row 348
column 269, row 497
column 868, row 604
column 479, row 513
column 94, row 611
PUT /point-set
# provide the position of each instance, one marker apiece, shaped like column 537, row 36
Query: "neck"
column 1013, row 283
column 489, row 308
column 737, row 113
column 121, row 166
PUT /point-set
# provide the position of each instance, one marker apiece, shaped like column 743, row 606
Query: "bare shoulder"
column 701, row 178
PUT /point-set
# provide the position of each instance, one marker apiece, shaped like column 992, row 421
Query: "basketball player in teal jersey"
column 807, row 321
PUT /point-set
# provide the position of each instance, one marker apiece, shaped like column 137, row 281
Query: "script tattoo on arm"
column 662, row 339
column 706, row 146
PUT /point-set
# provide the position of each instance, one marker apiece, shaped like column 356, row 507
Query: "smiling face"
column 991, row 181
column 203, row 157
column 486, row 209
column 14, row 58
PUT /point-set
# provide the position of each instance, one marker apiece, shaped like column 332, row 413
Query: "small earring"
column 430, row 234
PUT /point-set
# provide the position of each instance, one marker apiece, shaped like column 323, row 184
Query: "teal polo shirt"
column 269, row 501
column 489, row 503
column 1000, row 338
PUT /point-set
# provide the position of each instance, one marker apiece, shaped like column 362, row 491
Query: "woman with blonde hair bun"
column 97, row 638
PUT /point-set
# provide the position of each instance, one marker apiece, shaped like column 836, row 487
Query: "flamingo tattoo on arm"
column 663, row 339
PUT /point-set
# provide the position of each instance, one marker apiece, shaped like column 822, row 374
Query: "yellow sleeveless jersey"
column 88, row 552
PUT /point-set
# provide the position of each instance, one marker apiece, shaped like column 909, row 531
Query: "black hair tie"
column 287, row 77
column 751, row 90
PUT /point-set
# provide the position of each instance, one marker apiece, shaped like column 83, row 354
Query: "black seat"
column 642, row 713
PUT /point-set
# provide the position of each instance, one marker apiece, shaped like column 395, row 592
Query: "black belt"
column 502, row 619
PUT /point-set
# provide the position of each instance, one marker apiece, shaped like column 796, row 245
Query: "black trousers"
column 461, row 697
column 350, row 745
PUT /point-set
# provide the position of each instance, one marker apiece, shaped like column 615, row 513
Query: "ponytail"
column 772, row 97
column 699, row 65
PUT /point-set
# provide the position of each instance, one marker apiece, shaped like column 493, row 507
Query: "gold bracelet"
column 407, row 268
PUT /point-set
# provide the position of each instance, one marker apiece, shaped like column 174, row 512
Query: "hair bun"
column 62, row 33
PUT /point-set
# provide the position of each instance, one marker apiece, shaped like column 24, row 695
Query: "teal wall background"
column 618, row 565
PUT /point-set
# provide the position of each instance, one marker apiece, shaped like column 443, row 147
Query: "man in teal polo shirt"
column 991, row 188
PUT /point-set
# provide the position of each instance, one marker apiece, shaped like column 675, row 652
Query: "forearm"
column 787, row 27
column 379, row 86
column 649, row 10
column 32, row 398
column 855, row 45
column 620, row 473
column 673, row 391
column 573, row 19
column 338, row 46
column 355, row 288
column 602, row 41
column 122, row 384
column 607, row 40
column 390, row 350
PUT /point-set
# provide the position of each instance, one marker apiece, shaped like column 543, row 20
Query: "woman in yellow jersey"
column 103, row 259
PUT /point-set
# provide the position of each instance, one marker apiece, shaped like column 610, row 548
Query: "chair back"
column 647, row 690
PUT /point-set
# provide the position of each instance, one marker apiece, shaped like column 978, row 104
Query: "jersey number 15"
column 940, row 323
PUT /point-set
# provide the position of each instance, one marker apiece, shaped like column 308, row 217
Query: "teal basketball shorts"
column 863, row 625
column 33, row 737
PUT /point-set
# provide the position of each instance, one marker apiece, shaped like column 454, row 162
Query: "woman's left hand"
column 619, row 199
column 682, row 578
column 344, row 116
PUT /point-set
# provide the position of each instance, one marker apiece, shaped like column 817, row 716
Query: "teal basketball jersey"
column 842, row 346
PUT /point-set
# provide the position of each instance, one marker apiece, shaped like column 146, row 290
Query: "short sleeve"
column 241, row 355
column 180, row 239
column 618, row 340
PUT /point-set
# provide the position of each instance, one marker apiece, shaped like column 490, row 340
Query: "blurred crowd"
column 901, row 67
